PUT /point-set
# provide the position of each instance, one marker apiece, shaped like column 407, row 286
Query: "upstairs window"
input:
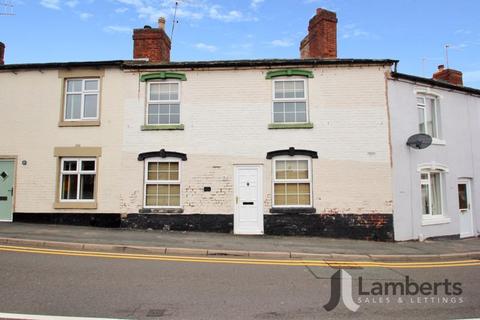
column 292, row 183
column 81, row 99
column 290, row 101
column 163, row 103
column 428, row 115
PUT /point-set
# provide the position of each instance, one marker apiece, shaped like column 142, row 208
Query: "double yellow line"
column 244, row 261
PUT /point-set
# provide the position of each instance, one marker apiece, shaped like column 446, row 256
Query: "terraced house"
column 311, row 146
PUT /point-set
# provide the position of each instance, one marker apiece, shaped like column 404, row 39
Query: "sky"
column 412, row 31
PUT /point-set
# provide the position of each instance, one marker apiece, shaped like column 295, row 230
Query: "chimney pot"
column 321, row 40
column 2, row 53
column 441, row 67
column 161, row 23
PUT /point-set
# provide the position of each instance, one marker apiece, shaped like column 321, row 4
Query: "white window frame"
column 436, row 119
column 83, row 93
column 428, row 182
column 77, row 172
column 160, row 102
column 147, row 181
column 304, row 99
column 309, row 180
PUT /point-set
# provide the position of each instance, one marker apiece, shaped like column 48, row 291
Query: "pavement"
column 219, row 244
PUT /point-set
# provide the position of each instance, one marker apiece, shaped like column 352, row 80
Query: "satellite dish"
column 419, row 141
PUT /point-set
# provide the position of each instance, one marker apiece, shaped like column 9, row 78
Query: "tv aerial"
column 6, row 8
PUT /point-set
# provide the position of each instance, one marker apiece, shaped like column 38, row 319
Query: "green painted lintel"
column 163, row 75
column 308, row 125
column 151, row 127
column 289, row 73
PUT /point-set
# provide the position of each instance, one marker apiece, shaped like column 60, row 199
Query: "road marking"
column 246, row 261
column 12, row 316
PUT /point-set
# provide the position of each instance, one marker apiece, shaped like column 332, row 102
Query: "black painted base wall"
column 352, row 226
column 104, row 220
column 180, row 222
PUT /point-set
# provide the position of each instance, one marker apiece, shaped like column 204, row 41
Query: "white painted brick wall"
column 226, row 114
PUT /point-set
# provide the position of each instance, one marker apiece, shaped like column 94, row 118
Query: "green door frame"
column 13, row 160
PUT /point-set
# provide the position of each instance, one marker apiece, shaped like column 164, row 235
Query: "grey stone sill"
column 150, row 127
column 161, row 210
column 293, row 210
column 308, row 125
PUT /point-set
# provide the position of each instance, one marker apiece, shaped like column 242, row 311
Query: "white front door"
column 465, row 208
column 248, row 216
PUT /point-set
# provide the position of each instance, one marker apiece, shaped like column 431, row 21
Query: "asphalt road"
column 61, row 285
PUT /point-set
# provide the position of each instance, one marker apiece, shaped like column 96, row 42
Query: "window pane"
column 301, row 107
column 151, row 195
column 91, row 85
column 164, row 119
column 69, row 186
column 87, row 182
column 70, row 165
column 421, row 120
column 304, row 199
column 73, row 109
column 279, row 89
column 301, row 117
column 290, row 117
column 433, row 115
column 280, row 200
column 88, row 165
column 154, row 91
column 290, row 107
column 425, row 199
column 278, row 117
column 436, row 194
column 164, row 109
column 462, row 197
column 174, row 91
column 174, row 118
column 299, row 89
column 292, row 199
column 278, row 107
column 74, row 85
column 153, row 114
column 90, row 108
column 289, row 89
column 303, row 169
column 175, row 108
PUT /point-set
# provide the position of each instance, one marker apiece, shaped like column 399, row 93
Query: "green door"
column 6, row 190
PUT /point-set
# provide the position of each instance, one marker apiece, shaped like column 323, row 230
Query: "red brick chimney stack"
column 152, row 43
column 448, row 75
column 321, row 40
column 2, row 53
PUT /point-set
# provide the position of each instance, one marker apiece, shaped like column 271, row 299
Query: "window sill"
column 80, row 123
column 151, row 127
column 438, row 142
column 308, row 125
column 75, row 205
column 293, row 210
column 436, row 220
column 161, row 210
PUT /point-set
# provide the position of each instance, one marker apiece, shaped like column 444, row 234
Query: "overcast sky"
column 415, row 32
